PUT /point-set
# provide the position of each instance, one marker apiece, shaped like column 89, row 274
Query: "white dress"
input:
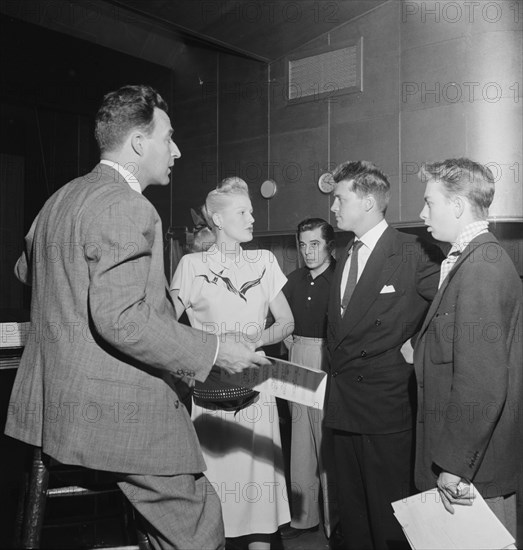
column 243, row 450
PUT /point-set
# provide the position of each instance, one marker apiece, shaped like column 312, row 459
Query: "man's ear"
column 137, row 143
column 458, row 203
column 370, row 202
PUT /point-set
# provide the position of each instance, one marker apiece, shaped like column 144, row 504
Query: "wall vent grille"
column 326, row 74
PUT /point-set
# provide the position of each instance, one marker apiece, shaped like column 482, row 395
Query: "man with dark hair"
column 307, row 291
column 469, row 356
column 106, row 352
column 381, row 291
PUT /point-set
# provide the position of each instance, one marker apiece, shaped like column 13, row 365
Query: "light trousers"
column 312, row 486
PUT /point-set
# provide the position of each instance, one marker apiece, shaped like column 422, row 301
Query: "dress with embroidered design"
column 243, row 451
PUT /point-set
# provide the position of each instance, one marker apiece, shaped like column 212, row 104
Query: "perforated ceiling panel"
column 331, row 72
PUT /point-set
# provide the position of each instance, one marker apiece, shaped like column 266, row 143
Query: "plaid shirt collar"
column 471, row 231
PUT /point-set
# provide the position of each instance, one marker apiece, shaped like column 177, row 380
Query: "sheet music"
column 286, row 380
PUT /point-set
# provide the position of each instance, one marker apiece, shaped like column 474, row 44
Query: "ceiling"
column 261, row 29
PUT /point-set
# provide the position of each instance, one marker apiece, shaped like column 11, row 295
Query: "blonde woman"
column 224, row 288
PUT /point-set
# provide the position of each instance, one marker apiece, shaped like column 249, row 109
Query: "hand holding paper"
column 454, row 490
column 427, row 525
column 286, row 380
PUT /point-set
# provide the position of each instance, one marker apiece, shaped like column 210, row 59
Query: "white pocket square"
column 387, row 289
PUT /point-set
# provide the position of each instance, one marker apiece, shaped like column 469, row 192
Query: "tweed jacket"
column 95, row 386
column 469, row 369
column 371, row 387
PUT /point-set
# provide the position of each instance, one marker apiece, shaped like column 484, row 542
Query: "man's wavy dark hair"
column 310, row 224
column 367, row 179
column 123, row 110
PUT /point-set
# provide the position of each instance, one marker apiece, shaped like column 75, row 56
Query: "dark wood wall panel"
column 221, row 128
column 50, row 88
column 243, row 127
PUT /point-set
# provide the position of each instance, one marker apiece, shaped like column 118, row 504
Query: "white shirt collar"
column 129, row 178
column 373, row 235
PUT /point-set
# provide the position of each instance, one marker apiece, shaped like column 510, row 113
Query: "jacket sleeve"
column 23, row 267
column 127, row 312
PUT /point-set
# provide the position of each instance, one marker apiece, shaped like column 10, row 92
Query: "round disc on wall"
column 326, row 183
column 268, row 189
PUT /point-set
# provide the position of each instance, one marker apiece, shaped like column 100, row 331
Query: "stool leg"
column 20, row 507
column 35, row 502
column 140, row 530
column 141, row 534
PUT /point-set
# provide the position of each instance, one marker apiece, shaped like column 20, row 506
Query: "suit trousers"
column 505, row 509
column 312, row 467
column 372, row 470
column 182, row 512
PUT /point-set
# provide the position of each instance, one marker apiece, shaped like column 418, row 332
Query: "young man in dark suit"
column 96, row 382
column 469, row 355
column 381, row 290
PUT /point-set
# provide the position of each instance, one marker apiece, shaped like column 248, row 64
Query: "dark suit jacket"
column 469, row 369
column 370, row 382
column 94, row 386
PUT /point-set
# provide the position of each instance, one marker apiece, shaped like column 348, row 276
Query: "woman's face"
column 236, row 219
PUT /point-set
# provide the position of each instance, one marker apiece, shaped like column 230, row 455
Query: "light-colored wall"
column 441, row 79
column 461, row 83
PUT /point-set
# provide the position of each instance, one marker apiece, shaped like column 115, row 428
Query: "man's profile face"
column 438, row 212
column 159, row 152
column 348, row 207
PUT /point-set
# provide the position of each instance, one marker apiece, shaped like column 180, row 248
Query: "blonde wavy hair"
column 216, row 201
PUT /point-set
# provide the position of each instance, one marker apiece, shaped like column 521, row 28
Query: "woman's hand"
column 288, row 341
column 252, row 341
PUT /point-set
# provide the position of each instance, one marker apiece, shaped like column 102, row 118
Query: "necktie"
column 447, row 264
column 352, row 279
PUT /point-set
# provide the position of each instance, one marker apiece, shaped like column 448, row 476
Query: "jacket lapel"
column 382, row 263
column 465, row 256
column 333, row 314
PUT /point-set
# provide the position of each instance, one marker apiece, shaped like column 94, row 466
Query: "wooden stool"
column 35, row 492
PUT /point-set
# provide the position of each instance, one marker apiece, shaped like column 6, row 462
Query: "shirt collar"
column 326, row 274
column 126, row 175
column 471, row 231
column 373, row 235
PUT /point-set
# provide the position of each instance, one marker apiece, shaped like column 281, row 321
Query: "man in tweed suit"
column 96, row 386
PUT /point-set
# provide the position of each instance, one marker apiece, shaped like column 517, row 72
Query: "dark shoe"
column 234, row 544
column 336, row 539
column 287, row 532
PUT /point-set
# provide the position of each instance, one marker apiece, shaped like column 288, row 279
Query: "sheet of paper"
column 13, row 334
column 427, row 525
column 286, row 380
